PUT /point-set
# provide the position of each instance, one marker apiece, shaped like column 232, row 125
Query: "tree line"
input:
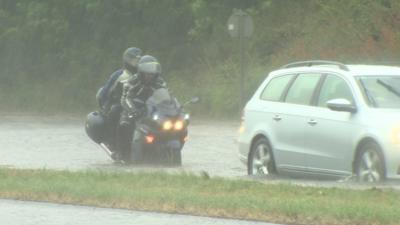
column 54, row 54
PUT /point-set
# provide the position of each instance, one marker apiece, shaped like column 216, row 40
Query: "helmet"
column 95, row 126
column 130, row 58
column 99, row 97
column 148, row 68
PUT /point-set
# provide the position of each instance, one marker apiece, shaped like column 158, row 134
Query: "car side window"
column 275, row 87
column 332, row 88
column 302, row 89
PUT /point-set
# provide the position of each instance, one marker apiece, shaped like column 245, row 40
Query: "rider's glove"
column 135, row 114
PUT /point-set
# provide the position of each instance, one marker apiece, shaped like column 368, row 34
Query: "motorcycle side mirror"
column 192, row 101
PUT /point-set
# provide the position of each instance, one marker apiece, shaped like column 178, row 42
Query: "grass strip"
column 201, row 195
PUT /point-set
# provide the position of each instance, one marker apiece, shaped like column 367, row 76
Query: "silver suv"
column 326, row 119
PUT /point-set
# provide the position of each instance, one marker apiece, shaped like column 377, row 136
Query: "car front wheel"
column 261, row 161
column 369, row 166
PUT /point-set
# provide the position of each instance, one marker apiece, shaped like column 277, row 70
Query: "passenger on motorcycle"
column 136, row 90
column 109, row 95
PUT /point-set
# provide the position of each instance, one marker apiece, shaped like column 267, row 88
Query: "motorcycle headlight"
column 155, row 117
column 179, row 125
column 186, row 117
column 167, row 125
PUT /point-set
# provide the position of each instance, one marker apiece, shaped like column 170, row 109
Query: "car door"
column 329, row 134
column 269, row 110
column 289, row 122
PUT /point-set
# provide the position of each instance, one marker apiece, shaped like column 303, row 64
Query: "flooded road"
column 61, row 143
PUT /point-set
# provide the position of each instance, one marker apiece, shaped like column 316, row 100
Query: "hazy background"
column 54, row 54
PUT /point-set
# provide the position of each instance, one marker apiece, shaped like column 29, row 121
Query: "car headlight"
column 395, row 135
column 241, row 129
column 167, row 125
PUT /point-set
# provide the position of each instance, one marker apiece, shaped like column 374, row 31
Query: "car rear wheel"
column 369, row 166
column 261, row 161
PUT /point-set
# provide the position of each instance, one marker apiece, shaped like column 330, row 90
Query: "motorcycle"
column 159, row 134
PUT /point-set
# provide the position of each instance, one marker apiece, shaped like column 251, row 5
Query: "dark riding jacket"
column 135, row 93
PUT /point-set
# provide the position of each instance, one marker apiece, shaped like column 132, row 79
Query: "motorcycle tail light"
column 150, row 139
column 178, row 125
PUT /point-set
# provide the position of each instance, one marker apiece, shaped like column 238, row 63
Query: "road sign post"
column 240, row 26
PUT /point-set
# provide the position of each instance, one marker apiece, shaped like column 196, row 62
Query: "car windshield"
column 163, row 102
column 381, row 91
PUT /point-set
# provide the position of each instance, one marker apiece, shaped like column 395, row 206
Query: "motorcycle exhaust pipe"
column 109, row 152
column 106, row 149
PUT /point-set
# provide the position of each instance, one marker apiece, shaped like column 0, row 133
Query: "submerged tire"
column 369, row 164
column 136, row 152
column 261, row 160
column 176, row 157
column 172, row 157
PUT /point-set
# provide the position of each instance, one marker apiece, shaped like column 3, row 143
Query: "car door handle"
column 312, row 122
column 277, row 118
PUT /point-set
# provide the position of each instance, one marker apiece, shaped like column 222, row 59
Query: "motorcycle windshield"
column 162, row 102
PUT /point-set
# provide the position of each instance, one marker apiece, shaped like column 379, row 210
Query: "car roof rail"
column 316, row 63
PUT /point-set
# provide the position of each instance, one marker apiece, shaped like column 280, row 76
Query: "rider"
column 136, row 90
column 110, row 94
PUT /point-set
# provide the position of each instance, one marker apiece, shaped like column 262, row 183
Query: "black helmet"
column 148, row 68
column 95, row 126
column 99, row 96
column 130, row 58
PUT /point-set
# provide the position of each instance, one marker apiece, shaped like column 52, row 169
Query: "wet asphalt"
column 61, row 143
column 39, row 213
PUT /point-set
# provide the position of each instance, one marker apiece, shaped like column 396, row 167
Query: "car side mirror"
column 342, row 105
